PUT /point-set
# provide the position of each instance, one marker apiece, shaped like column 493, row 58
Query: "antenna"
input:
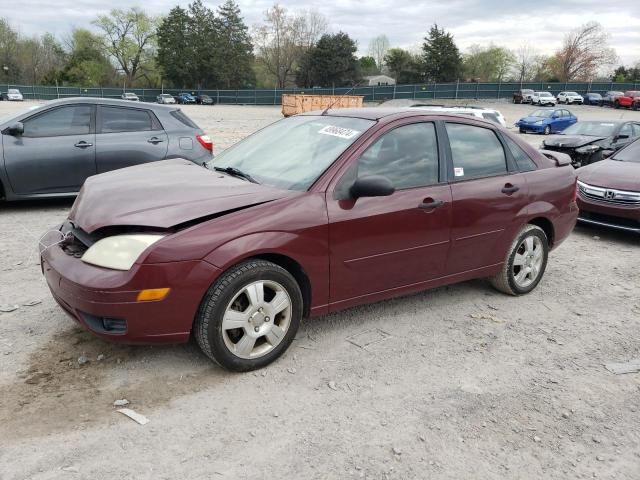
column 324, row 112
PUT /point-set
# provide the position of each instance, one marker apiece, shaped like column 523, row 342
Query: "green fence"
column 426, row 91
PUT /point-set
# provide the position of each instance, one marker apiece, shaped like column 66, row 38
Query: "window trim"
column 511, row 166
column 512, row 159
column 156, row 126
column 92, row 119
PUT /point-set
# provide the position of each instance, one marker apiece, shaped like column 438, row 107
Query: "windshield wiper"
column 236, row 172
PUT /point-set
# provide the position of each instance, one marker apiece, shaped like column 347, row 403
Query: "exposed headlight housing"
column 588, row 149
column 119, row 252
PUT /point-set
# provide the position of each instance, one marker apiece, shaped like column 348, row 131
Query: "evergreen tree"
column 332, row 62
column 202, row 39
column 442, row 60
column 234, row 51
column 174, row 50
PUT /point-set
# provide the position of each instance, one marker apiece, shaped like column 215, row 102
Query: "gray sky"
column 405, row 22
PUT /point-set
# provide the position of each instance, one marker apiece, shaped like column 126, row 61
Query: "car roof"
column 389, row 114
column 107, row 101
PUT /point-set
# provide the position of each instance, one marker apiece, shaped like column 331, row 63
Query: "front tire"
column 525, row 263
column 547, row 130
column 249, row 316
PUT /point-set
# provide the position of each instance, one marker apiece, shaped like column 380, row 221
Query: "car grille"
column 608, row 195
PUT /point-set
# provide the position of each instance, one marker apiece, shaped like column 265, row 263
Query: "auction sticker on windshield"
column 339, row 132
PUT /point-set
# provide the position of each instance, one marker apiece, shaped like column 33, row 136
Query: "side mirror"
column 372, row 186
column 621, row 136
column 554, row 115
column 607, row 153
column 16, row 129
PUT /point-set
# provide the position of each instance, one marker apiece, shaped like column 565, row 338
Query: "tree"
column 283, row 39
column 442, row 60
column 332, row 62
column 9, row 51
column 174, row 54
column 127, row 36
column 202, row 35
column 584, row 52
column 403, row 66
column 368, row 66
column 525, row 62
column 487, row 64
column 234, row 51
column 86, row 63
column 378, row 48
column 623, row 74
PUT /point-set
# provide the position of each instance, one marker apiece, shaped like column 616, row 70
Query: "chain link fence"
column 425, row 91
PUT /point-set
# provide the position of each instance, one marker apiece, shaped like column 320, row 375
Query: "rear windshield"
column 544, row 94
column 182, row 118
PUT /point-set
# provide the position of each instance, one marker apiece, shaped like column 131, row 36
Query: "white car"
column 130, row 96
column 471, row 111
column 13, row 95
column 570, row 97
column 165, row 98
column 543, row 98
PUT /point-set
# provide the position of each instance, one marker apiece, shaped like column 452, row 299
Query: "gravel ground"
column 455, row 383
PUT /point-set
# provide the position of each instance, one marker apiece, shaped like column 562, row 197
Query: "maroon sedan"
column 313, row 214
column 609, row 191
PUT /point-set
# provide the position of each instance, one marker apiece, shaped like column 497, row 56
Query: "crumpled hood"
column 572, row 141
column 612, row 174
column 162, row 195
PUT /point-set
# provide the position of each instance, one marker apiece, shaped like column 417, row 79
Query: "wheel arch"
column 547, row 226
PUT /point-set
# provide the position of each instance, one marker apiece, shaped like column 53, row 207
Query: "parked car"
column 204, row 99
column 471, row 111
column 569, row 98
column 49, row 151
column 543, row 98
column 13, row 95
column 546, row 121
column 593, row 99
column 523, row 95
column 636, row 104
column 132, row 97
column 609, row 191
column 609, row 98
column 589, row 142
column 310, row 215
column 166, row 99
column 628, row 100
column 185, row 98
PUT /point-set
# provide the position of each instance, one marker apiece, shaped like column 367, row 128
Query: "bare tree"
column 525, row 63
column 584, row 52
column 128, row 37
column 378, row 48
column 283, row 38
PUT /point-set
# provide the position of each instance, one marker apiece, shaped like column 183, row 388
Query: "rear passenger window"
column 182, row 118
column 476, row 151
column 115, row 119
column 407, row 156
column 524, row 162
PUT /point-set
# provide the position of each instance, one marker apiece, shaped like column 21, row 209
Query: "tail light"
column 205, row 141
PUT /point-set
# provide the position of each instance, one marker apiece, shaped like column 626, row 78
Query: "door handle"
column 430, row 204
column 509, row 188
column 155, row 140
column 83, row 144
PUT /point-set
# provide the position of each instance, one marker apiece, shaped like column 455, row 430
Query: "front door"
column 128, row 136
column 379, row 244
column 55, row 154
column 489, row 198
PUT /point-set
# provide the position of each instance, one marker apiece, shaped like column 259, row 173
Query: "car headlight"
column 119, row 252
column 539, row 122
column 588, row 149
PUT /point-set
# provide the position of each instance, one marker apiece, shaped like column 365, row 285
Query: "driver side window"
column 407, row 156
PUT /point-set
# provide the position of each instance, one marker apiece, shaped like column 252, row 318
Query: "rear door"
column 56, row 152
column 128, row 136
column 490, row 197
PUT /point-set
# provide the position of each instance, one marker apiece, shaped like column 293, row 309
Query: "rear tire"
column 249, row 316
column 525, row 263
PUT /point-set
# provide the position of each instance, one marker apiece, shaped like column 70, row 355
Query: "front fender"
column 311, row 252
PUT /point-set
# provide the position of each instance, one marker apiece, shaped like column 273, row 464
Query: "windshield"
column 629, row 154
column 593, row 129
column 594, row 95
column 613, row 94
column 13, row 90
column 544, row 94
column 165, row 95
column 542, row 113
column 293, row 152
column 526, row 91
column 572, row 94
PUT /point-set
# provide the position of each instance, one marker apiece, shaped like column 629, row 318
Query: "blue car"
column 185, row 98
column 546, row 120
column 593, row 99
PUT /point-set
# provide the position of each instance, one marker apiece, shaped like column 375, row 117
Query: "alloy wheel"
column 527, row 263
